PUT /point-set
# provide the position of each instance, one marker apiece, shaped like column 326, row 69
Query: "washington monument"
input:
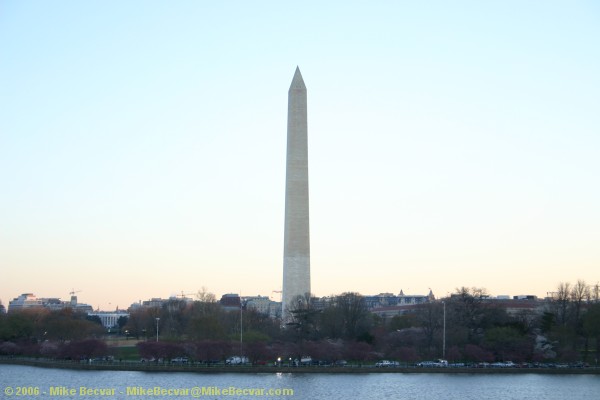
column 296, row 249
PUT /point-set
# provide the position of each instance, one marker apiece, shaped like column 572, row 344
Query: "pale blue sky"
column 142, row 145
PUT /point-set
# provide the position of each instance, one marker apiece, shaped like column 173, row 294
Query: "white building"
column 263, row 305
column 29, row 301
column 404, row 299
column 109, row 319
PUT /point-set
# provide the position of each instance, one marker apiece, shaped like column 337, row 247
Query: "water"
column 304, row 386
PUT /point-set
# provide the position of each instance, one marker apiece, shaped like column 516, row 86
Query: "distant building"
column 415, row 299
column 157, row 302
column 109, row 319
column 392, row 311
column 263, row 305
column 388, row 305
column 231, row 301
column 390, row 300
column 525, row 297
column 26, row 300
column 2, row 308
column 321, row 303
column 527, row 307
column 381, row 300
column 29, row 301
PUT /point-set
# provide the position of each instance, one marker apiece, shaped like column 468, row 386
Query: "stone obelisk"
column 296, row 250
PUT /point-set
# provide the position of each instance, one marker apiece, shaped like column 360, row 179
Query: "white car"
column 306, row 360
column 236, row 360
column 433, row 364
column 387, row 363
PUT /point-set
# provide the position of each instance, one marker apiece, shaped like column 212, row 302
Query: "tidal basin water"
column 33, row 382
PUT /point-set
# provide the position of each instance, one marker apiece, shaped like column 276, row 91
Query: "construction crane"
column 73, row 300
column 182, row 295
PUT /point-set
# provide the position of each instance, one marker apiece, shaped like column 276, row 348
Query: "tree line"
column 466, row 326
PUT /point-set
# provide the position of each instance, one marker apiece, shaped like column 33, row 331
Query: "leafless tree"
column 466, row 309
column 595, row 293
column 354, row 314
column 430, row 319
column 303, row 317
column 561, row 299
column 579, row 293
column 204, row 296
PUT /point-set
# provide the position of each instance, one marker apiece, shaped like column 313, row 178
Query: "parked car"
column 386, row 363
column 306, row 360
column 433, row 364
column 236, row 360
column 151, row 359
column 506, row 364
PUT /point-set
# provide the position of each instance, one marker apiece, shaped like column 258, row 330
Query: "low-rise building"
column 389, row 300
column 157, row 302
column 29, row 300
column 109, row 319
column 231, row 302
column 263, row 305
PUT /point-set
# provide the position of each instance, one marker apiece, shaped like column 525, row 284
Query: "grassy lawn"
column 125, row 353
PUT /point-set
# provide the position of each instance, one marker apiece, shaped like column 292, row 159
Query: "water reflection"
column 316, row 386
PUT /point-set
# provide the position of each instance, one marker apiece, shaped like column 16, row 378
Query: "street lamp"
column 444, row 336
column 241, row 332
column 157, row 319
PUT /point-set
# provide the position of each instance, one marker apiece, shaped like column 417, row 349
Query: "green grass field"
column 125, row 353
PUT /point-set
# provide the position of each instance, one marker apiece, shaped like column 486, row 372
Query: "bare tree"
column 561, row 300
column 466, row 308
column 204, row 296
column 595, row 293
column 430, row 319
column 579, row 293
column 303, row 316
column 354, row 314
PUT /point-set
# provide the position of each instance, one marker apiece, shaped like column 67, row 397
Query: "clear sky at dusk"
column 142, row 146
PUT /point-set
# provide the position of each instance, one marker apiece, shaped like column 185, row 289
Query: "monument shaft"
column 296, row 252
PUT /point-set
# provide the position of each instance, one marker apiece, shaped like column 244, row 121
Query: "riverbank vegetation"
column 565, row 328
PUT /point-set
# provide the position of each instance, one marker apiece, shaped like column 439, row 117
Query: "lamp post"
column 157, row 319
column 241, row 332
column 444, row 335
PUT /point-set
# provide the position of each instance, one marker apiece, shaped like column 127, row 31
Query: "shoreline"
column 259, row 369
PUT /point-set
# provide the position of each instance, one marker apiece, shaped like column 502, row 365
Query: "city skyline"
column 142, row 147
column 373, row 301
